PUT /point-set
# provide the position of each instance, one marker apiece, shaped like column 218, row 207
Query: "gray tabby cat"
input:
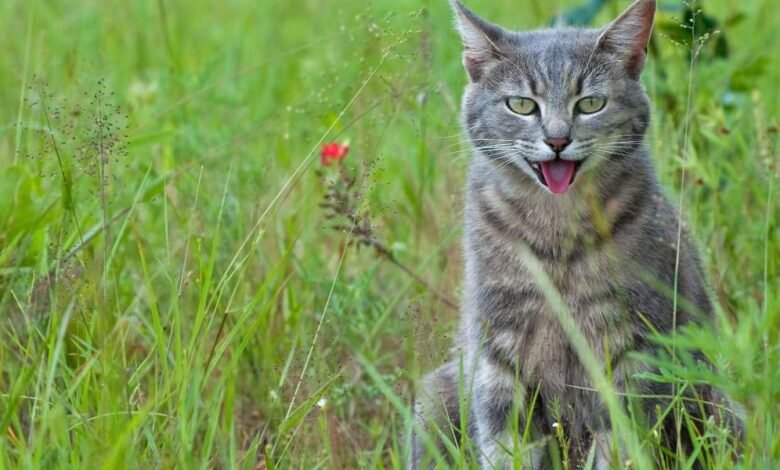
column 557, row 121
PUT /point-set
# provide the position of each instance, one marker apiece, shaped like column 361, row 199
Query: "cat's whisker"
column 455, row 144
column 490, row 146
column 462, row 133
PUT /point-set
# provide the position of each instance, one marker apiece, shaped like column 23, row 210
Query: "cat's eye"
column 591, row 104
column 520, row 105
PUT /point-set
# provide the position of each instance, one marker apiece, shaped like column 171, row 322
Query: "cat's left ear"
column 480, row 41
column 629, row 35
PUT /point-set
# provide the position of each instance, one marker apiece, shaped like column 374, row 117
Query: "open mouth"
column 556, row 174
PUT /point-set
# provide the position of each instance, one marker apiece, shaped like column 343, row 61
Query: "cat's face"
column 556, row 103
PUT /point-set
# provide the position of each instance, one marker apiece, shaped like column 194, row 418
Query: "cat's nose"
column 557, row 144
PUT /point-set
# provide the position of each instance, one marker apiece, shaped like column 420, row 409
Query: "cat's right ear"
column 480, row 40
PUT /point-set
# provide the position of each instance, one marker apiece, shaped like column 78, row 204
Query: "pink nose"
column 557, row 144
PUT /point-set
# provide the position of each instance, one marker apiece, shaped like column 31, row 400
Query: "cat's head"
column 555, row 103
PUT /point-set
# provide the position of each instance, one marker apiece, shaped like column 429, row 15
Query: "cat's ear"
column 480, row 40
column 629, row 35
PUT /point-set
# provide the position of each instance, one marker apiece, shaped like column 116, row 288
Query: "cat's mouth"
column 556, row 174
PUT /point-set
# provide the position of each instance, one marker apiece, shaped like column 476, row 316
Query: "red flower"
column 333, row 152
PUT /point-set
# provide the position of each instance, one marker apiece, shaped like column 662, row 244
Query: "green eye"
column 520, row 105
column 590, row 104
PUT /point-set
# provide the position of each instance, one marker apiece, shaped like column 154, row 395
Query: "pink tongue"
column 558, row 174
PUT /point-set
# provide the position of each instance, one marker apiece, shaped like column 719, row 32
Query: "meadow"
column 186, row 283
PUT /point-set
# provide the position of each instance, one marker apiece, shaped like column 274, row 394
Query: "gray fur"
column 599, row 242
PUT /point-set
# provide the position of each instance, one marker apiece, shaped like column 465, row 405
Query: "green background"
column 173, row 293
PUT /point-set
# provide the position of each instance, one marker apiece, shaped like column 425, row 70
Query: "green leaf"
column 297, row 416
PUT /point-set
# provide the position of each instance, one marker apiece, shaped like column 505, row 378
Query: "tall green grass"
column 173, row 293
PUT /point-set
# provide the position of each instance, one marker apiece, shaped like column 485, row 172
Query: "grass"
column 174, row 295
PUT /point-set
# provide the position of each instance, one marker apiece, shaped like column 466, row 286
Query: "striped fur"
column 601, row 243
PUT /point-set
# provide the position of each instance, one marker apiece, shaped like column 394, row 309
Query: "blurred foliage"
column 174, row 295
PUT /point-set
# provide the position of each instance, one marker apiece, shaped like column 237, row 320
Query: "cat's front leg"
column 498, row 400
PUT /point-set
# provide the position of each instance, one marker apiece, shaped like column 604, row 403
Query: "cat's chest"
column 526, row 277
column 531, row 336
column 522, row 309
column 586, row 285
column 532, row 303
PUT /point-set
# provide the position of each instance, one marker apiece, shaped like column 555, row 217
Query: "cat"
column 561, row 174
